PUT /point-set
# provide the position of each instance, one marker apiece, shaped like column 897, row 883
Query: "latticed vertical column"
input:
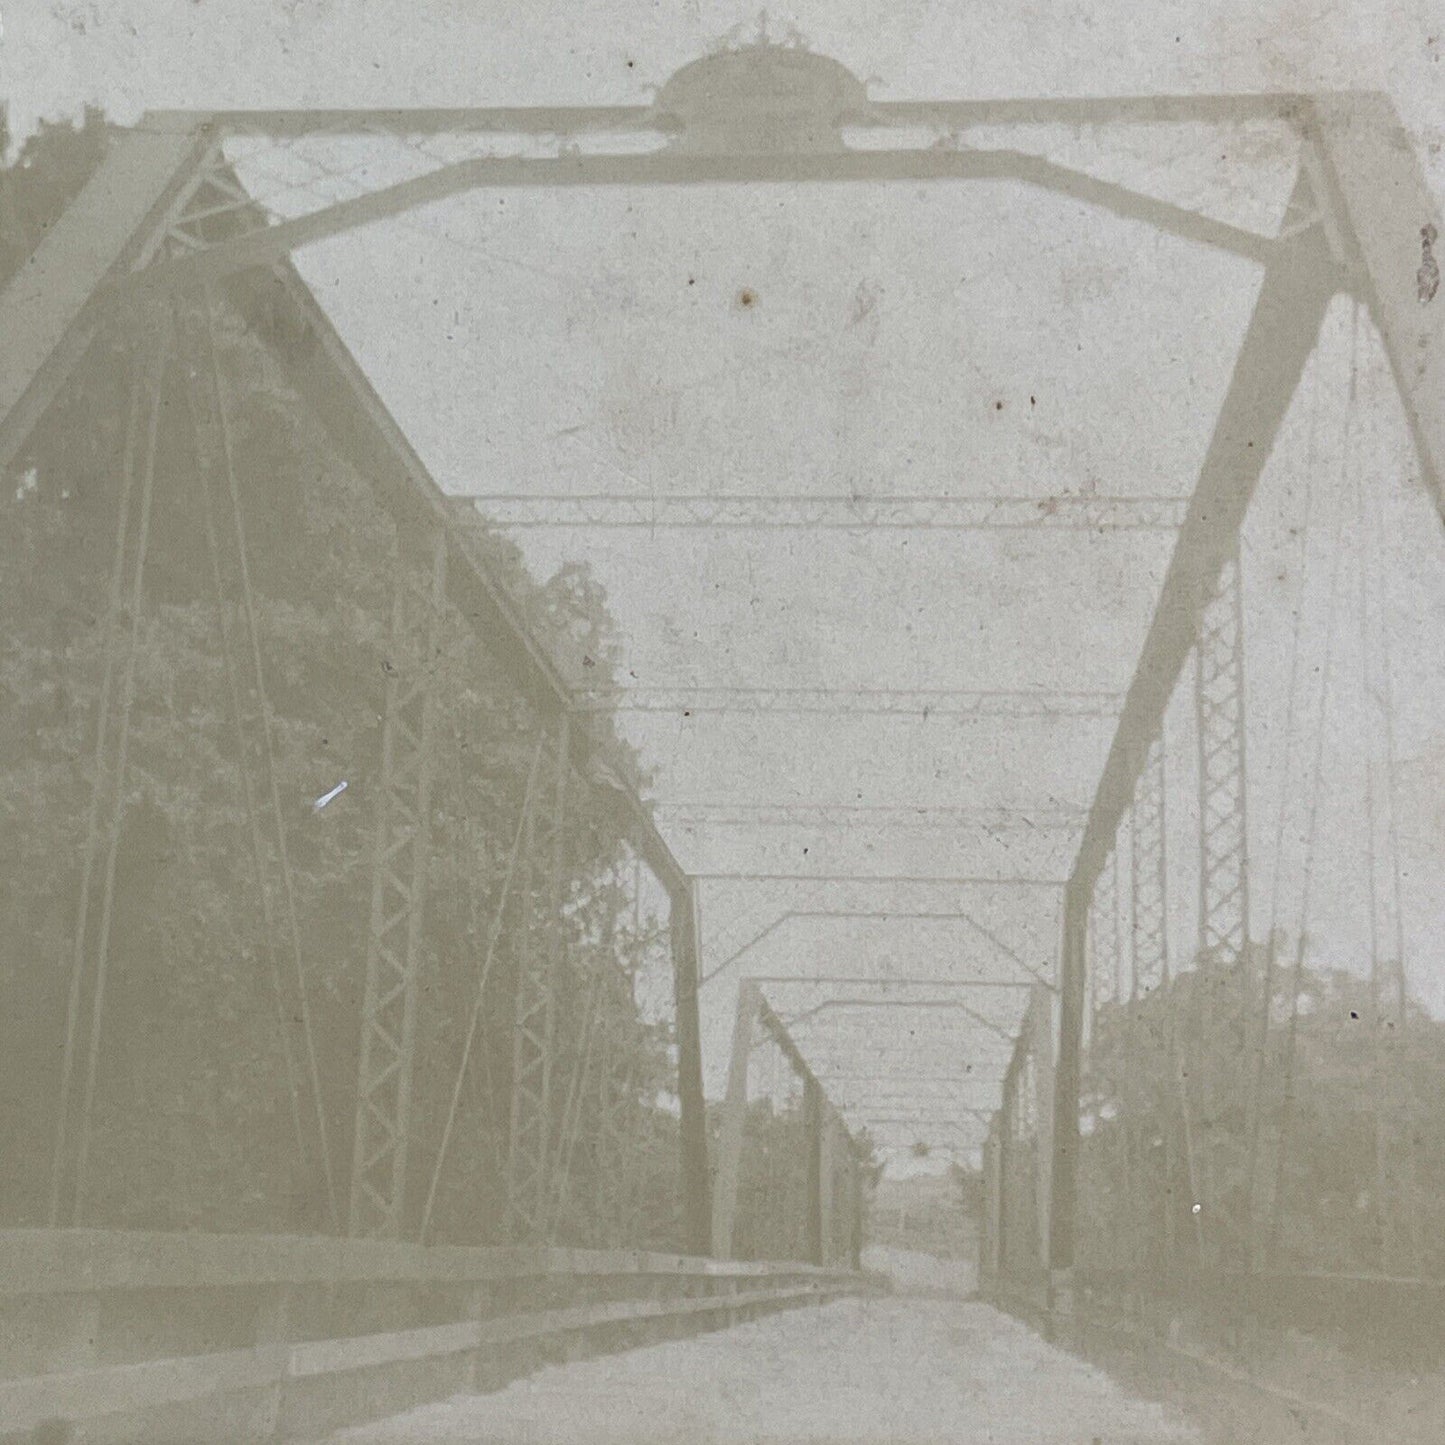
column 538, row 957
column 400, row 861
column 1105, row 963
column 1219, row 705
column 1148, row 890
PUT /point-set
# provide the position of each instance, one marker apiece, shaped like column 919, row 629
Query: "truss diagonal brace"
column 1296, row 289
column 1289, row 308
column 1373, row 184
column 49, row 308
column 106, row 813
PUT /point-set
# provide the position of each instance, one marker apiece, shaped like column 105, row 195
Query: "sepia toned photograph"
column 722, row 727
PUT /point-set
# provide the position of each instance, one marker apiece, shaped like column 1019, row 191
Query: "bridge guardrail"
column 1349, row 1354
column 1366, row 1314
column 184, row 1337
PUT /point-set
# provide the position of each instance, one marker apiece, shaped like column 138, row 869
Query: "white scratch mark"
column 325, row 798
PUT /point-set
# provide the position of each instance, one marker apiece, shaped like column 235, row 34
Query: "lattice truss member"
column 1219, row 702
column 539, row 946
column 1105, row 953
column 401, row 851
column 1149, row 899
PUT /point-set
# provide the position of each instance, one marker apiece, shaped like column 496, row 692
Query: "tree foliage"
column 771, row 1221
column 193, row 1122
column 1332, row 1112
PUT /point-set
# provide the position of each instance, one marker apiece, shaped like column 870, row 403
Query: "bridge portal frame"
column 1359, row 222
column 828, row 1140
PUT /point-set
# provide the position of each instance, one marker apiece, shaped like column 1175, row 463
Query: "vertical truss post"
column 734, row 1121
column 692, row 1124
column 1149, row 899
column 590, row 1043
column 1219, row 704
column 990, row 1261
column 1041, row 1054
column 813, row 1131
column 855, row 1208
column 1223, row 863
column 828, row 1196
column 1008, row 1136
column 1064, row 1152
column 539, row 962
column 617, row 1156
column 1376, row 191
column 400, row 858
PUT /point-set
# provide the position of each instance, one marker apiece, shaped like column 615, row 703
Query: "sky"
column 905, row 340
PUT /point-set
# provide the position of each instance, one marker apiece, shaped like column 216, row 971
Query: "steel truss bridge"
column 165, row 248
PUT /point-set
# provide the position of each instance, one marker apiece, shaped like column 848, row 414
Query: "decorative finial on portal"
column 762, row 96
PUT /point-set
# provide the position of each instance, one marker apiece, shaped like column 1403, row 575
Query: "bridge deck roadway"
column 912, row 1367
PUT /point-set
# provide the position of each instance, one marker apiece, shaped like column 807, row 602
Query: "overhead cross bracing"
column 952, row 1038
column 962, row 1120
column 890, row 1087
column 912, row 1108
column 845, row 853
column 934, row 1007
column 751, row 927
column 865, row 815
column 932, row 1037
column 1069, row 512
column 940, row 881
column 850, row 702
column 903, row 1077
column 330, row 197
